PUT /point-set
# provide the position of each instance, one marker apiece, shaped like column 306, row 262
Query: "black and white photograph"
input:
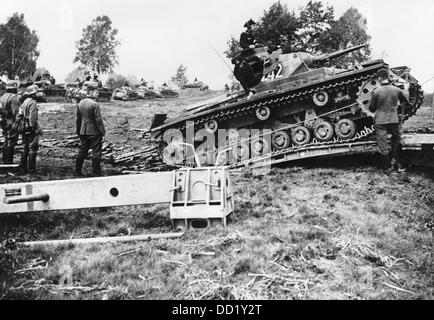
column 230, row 152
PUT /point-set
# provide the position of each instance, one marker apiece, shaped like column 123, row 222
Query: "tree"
column 315, row 20
column 18, row 47
column 233, row 47
column 313, row 29
column 277, row 27
column 117, row 80
column 76, row 73
column 349, row 30
column 41, row 71
column 97, row 48
column 180, row 78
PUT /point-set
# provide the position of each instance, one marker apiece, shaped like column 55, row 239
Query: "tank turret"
column 254, row 65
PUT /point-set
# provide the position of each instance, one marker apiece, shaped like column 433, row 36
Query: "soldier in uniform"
column 90, row 129
column 9, row 106
column 247, row 39
column 386, row 102
column 29, row 108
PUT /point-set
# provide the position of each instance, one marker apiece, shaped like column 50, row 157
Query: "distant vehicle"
column 125, row 94
column 196, row 85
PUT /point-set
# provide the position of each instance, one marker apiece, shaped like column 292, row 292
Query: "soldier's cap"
column 11, row 85
column 31, row 90
column 249, row 23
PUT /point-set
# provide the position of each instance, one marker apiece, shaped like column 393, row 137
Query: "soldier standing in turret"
column 247, row 39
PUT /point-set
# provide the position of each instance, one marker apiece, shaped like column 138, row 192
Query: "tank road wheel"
column 281, row 140
column 300, row 135
column 232, row 136
column 345, row 129
column 240, row 152
column 323, row 131
column 211, row 126
column 320, row 98
column 263, row 113
column 260, row 147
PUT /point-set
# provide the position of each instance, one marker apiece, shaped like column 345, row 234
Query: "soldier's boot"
column 5, row 155
column 78, row 167
column 32, row 163
column 384, row 163
column 23, row 163
column 9, row 155
column 96, row 168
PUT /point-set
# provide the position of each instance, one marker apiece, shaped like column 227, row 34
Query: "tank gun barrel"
column 338, row 54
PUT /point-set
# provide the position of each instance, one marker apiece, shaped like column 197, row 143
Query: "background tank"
column 196, row 84
column 300, row 99
column 49, row 91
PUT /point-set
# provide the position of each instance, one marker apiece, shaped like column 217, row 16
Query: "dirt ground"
column 336, row 229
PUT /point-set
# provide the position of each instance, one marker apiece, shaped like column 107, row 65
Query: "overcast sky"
column 159, row 35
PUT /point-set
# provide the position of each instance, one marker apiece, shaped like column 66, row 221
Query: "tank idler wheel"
column 260, row 146
column 211, row 126
column 281, row 140
column 263, row 113
column 323, row 131
column 300, row 135
column 345, row 129
column 320, row 98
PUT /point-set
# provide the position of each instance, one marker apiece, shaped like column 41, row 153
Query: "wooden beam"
column 111, row 191
column 142, row 237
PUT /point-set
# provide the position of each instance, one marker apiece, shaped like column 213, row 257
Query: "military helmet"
column 11, row 85
column 31, row 90
column 249, row 23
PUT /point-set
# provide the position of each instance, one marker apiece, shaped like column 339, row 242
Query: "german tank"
column 49, row 91
column 299, row 100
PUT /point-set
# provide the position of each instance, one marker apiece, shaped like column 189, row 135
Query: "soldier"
column 90, row 129
column 385, row 102
column 9, row 106
column 29, row 109
column 247, row 39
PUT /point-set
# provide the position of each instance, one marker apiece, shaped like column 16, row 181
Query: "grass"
column 326, row 231
column 321, row 237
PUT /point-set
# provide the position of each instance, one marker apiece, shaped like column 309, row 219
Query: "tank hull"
column 316, row 105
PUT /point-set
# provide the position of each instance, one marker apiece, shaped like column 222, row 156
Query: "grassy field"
column 337, row 230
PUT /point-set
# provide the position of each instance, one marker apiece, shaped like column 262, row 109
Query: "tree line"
column 313, row 28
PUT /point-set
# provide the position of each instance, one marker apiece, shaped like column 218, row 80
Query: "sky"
column 158, row 35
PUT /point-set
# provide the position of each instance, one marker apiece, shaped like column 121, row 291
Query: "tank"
column 104, row 94
column 299, row 100
column 49, row 92
column 145, row 92
column 125, row 94
column 197, row 85
column 167, row 92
